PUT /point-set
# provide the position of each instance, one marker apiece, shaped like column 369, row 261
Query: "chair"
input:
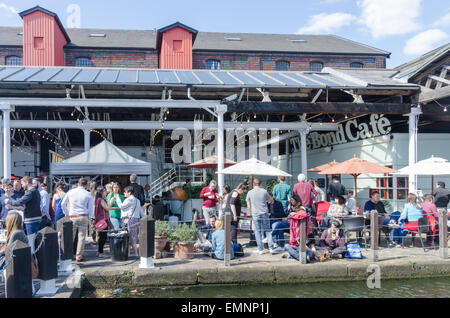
column 322, row 207
column 381, row 228
column 353, row 224
column 422, row 227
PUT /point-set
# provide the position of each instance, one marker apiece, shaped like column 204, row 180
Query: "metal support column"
column 412, row 153
column 87, row 139
column 6, row 141
column 220, row 145
column 303, row 132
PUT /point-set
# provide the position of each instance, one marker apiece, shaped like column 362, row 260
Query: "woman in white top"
column 320, row 194
column 131, row 213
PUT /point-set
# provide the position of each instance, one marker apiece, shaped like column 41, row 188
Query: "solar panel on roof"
column 127, row 77
column 148, row 77
column 269, row 81
column 226, row 78
column 306, row 80
column 107, row 76
column 44, row 75
column 187, row 77
column 167, row 77
column 22, row 75
column 86, row 75
column 284, row 79
column 245, row 79
column 8, row 71
column 65, row 75
column 207, row 78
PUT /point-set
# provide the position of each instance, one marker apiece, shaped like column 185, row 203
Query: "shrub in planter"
column 162, row 233
column 184, row 237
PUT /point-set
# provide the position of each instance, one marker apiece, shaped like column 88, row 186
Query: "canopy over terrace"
column 51, row 96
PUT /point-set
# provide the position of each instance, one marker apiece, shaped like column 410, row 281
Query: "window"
column 38, row 43
column 385, row 185
column 282, row 66
column 315, row 66
column 13, row 60
column 83, row 62
column 177, row 46
column 212, row 64
column 356, row 65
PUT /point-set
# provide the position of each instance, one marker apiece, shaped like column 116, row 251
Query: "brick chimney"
column 44, row 38
column 175, row 42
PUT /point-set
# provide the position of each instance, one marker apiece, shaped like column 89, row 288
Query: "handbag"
column 34, row 268
column 101, row 224
column 353, row 250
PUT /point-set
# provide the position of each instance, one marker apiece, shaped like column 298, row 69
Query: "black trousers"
column 102, row 237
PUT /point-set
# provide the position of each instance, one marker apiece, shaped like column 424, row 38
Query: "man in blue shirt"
column 18, row 190
column 282, row 192
column 375, row 204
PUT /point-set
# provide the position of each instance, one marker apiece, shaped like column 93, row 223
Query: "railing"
column 164, row 182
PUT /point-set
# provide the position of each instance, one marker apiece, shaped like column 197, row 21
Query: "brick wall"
column 229, row 60
column 114, row 57
column 7, row 51
column 267, row 61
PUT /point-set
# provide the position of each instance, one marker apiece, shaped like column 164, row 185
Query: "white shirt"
column 131, row 207
column 80, row 202
column 351, row 204
column 45, row 202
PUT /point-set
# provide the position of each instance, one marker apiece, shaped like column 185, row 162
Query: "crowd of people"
column 90, row 207
column 273, row 214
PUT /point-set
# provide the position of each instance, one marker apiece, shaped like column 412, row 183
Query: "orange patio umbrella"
column 210, row 162
column 355, row 167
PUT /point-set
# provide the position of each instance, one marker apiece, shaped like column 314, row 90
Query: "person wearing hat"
column 332, row 240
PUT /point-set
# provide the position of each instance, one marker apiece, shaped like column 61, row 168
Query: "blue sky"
column 406, row 28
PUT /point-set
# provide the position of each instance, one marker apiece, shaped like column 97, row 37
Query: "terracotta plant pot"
column 160, row 243
column 183, row 250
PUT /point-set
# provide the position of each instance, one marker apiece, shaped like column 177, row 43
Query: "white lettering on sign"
column 349, row 131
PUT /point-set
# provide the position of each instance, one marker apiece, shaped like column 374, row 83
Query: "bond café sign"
column 351, row 130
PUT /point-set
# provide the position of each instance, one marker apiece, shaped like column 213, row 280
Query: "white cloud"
column 390, row 17
column 443, row 21
column 424, row 42
column 326, row 23
column 8, row 8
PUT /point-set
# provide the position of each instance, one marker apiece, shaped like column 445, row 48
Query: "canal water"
column 417, row 287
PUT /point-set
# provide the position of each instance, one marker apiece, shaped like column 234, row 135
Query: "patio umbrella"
column 210, row 162
column 431, row 166
column 323, row 167
column 355, row 167
column 252, row 167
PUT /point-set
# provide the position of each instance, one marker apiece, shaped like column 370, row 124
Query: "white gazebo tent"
column 103, row 159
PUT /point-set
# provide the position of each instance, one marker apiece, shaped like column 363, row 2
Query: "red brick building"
column 44, row 41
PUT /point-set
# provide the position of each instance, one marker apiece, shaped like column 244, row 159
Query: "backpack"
column 238, row 250
column 353, row 250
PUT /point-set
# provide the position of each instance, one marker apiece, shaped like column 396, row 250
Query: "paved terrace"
column 393, row 262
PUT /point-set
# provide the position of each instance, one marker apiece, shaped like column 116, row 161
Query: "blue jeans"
column 32, row 228
column 115, row 223
column 294, row 253
column 260, row 225
column 278, row 232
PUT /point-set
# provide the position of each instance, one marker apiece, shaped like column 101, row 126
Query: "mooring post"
column 65, row 230
column 373, row 236
column 227, row 256
column 302, row 242
column 18, row 279
column 47, row 257
column 443, row 233
column 146, row 241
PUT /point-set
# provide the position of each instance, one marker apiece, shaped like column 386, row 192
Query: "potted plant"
column 184, row 237
column 162, row 233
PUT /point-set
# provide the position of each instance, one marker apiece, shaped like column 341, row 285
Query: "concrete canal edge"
column 259, row 273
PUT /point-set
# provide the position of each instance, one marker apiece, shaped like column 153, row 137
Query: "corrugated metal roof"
column 209, row 41
column 328, row 78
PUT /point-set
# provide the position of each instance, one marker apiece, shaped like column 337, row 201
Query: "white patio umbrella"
column 432, row 166
column 254, row 167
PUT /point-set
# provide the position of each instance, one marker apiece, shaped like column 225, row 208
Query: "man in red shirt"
column 210, row 197
column 306, row 192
